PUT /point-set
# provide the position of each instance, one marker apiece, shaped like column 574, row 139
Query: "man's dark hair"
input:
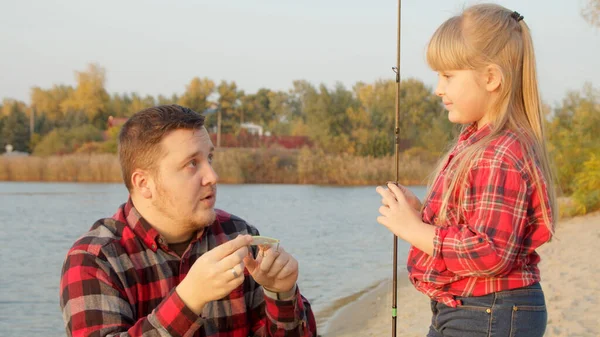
column 140, row 136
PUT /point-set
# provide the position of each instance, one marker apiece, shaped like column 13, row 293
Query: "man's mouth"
column 209, row 196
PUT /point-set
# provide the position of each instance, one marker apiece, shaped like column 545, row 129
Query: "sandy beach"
column 570, row 274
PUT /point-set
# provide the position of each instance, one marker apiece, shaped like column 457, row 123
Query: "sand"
column 570, row 277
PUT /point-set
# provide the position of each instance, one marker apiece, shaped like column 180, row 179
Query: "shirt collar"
column 130, row 216
column 472, row 134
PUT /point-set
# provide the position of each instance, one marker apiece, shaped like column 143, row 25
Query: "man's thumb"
column 251, row 263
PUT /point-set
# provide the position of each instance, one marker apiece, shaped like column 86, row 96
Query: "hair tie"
column 515, row 15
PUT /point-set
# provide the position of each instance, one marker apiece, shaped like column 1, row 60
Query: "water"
column 331, row 231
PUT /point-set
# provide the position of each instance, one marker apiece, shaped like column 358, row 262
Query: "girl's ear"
column 492, row 77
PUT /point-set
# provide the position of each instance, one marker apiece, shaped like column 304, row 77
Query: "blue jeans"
column 513, row 313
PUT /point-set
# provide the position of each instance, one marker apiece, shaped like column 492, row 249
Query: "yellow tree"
column 163, row 100
column 591, row 13
column 139, row 103
column 90, row 96
column 9, row 105
column 48, row 102
column 197, row 93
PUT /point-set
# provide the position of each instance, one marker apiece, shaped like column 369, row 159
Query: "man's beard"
column 166, row 205
column 205, row 220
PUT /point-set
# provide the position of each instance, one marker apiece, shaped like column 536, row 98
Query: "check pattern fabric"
column 492, row 246
column 119, row 279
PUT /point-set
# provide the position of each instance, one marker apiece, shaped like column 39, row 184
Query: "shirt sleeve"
column 277, row 318
column 489, row 240
column 271, row 317
column 94, row 303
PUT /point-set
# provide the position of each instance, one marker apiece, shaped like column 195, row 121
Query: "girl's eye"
column 210, row 158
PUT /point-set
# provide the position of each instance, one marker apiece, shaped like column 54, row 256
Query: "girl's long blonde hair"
column 488, row 34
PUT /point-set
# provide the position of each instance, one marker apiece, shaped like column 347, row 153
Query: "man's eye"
column 193, row 163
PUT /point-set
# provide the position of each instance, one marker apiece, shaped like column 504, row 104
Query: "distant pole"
column 218, row 126
column 215, row 107
column 31, row 124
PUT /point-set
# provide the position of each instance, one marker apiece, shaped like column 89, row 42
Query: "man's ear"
column 143, row 183
column 492, row 77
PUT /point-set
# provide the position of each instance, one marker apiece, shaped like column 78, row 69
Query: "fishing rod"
column 396, row 69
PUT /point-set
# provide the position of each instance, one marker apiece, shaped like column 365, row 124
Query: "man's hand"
column 215, row 274
column 274, row 269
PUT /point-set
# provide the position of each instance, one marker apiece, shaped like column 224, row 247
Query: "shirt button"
column 154, row 246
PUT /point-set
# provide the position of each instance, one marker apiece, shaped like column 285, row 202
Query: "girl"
column 491, row 203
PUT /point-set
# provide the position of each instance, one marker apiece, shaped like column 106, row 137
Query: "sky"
column 156, row 47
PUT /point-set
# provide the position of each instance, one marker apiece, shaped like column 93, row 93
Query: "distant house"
column 116, row 121
column 252, row 136
column 252, row 128
column 11, row 153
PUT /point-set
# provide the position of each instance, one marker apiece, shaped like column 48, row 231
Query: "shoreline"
column 329, row 313
column 569, row 279
column 370, row 314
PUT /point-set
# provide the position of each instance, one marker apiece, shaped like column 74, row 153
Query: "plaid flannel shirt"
column 119, row 279
column 492, row 247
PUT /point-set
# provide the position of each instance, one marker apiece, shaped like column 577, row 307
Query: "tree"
column 421, row 117
column 139, row 103
column 163, row 100
column 63, row 140
column 197, row 93
column 280, row 113
column 229, row 104
column 591, row 13
column 9, row 105
column 90, row 96
column 15, row 130
column 49, row 102
column 118, row 106
column 574, row 134
column 256, row 107
column 2, row 143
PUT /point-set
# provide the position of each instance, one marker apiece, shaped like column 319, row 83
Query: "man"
column 169, row 264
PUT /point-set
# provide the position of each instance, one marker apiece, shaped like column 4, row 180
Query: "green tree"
column 67, row 140
column 230, row 105
column 256, row 107
column 421, row 117
column 280, row 117
column 2, row 142
column 574, row 134
column 587, row 185
column 15, row 129
column 118, row 106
